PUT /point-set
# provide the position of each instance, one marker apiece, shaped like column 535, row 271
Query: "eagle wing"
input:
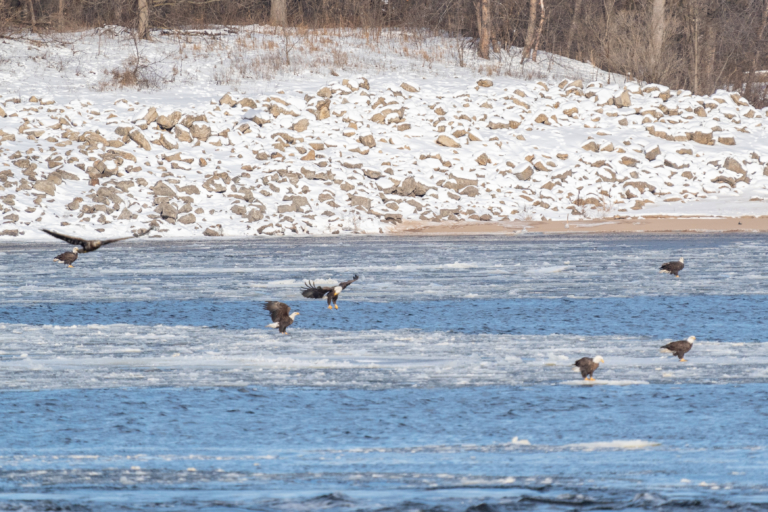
column 149, row 230
column 92, row 245
column 584, row 361
column 347, row 283
column 678, row 347
column 69, row 239
column 311, row 291
column 277, row 310
column 673, row 266
column 66, row 257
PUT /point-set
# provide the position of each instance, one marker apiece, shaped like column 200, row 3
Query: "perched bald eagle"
column 679, row 348
column 281, row 315
column 673, row 267
column 67, row 257
column 91, row 245
column 311, row 291
column 588, row 366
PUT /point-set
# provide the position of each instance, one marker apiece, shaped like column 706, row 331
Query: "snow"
column 272, row 164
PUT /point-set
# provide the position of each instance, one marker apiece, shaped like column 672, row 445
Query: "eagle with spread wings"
column 311, row 291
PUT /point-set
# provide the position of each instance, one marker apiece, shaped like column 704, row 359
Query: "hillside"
column 388, row 139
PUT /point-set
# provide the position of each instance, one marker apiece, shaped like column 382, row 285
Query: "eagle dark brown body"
column 311, row 291
column 673, row 267
column 281, row 315
column 679, row 348
column 68, row 258
column 587, row 366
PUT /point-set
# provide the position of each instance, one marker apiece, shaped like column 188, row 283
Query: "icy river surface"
column 145, row 379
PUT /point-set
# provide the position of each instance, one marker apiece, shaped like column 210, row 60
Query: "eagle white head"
column 74, row 250
column 337, row 290
column 691, row 339
column 294, row 315
column 598, row 359
column 682, row 260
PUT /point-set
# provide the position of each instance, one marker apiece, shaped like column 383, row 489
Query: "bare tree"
column 483, row 27
column 538, row 32
column 572, row 29
column 142, row 31
column 278, row 13
column 531, row 33
column 658, row 28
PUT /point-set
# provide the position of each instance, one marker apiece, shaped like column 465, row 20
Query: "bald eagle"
column 673, row 267
column 91, row 245
column 679, row 348
column 67, row 257
column 588, row 366
column 311, row 291
column 281, row 315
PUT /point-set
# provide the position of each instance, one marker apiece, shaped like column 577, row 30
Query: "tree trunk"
column 538, row 32
column 278, row 14
column 31, row 14
column 143, row 28
column 531, row 33
column 760, row 44
column 695, row 47
column 572, row 30
column 483, row 27
column 710, row 36
column 658, row 28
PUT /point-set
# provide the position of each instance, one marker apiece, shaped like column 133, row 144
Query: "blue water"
column 144, row 378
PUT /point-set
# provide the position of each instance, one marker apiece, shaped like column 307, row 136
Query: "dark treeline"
column 701, row 45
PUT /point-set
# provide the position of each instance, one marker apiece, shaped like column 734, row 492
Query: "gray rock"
column 45, row 186
column 161, row 189
column 169, row 121
column 138, row 137
column 188, row 219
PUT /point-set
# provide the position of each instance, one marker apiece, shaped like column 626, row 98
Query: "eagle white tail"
column 274, row 325
column 665, row 272
column 666, row 350
column 576, row 369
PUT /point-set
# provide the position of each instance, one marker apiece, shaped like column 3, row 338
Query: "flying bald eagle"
column 67, row 257
column 673, row 267
column 679, row 348
column 280, row 315
column 90, row 245
column 588, row 366
column 311, row 291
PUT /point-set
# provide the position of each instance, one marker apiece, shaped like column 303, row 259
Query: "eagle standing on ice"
column 588, row 366
column 311, row 291
column 673, row 267
column 281, row 315
column 679, row 348
column 86, row 245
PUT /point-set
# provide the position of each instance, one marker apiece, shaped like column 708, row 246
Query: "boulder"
column 213, row 231
column 163, row 190
column 622, row 100
column 169, row 121
column 138, row 137
column 409, row 87
column 484, row 82
column 368, row 140
column 227, row 100
column 187, row 219
column 301, row 125
column 448, row 142
column 360, row 201
column 46, row 186
column 200, row 131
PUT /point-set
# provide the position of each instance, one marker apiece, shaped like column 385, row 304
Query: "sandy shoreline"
column 647, row 224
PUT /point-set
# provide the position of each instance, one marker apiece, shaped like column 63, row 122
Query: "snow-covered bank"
column 360, row 152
